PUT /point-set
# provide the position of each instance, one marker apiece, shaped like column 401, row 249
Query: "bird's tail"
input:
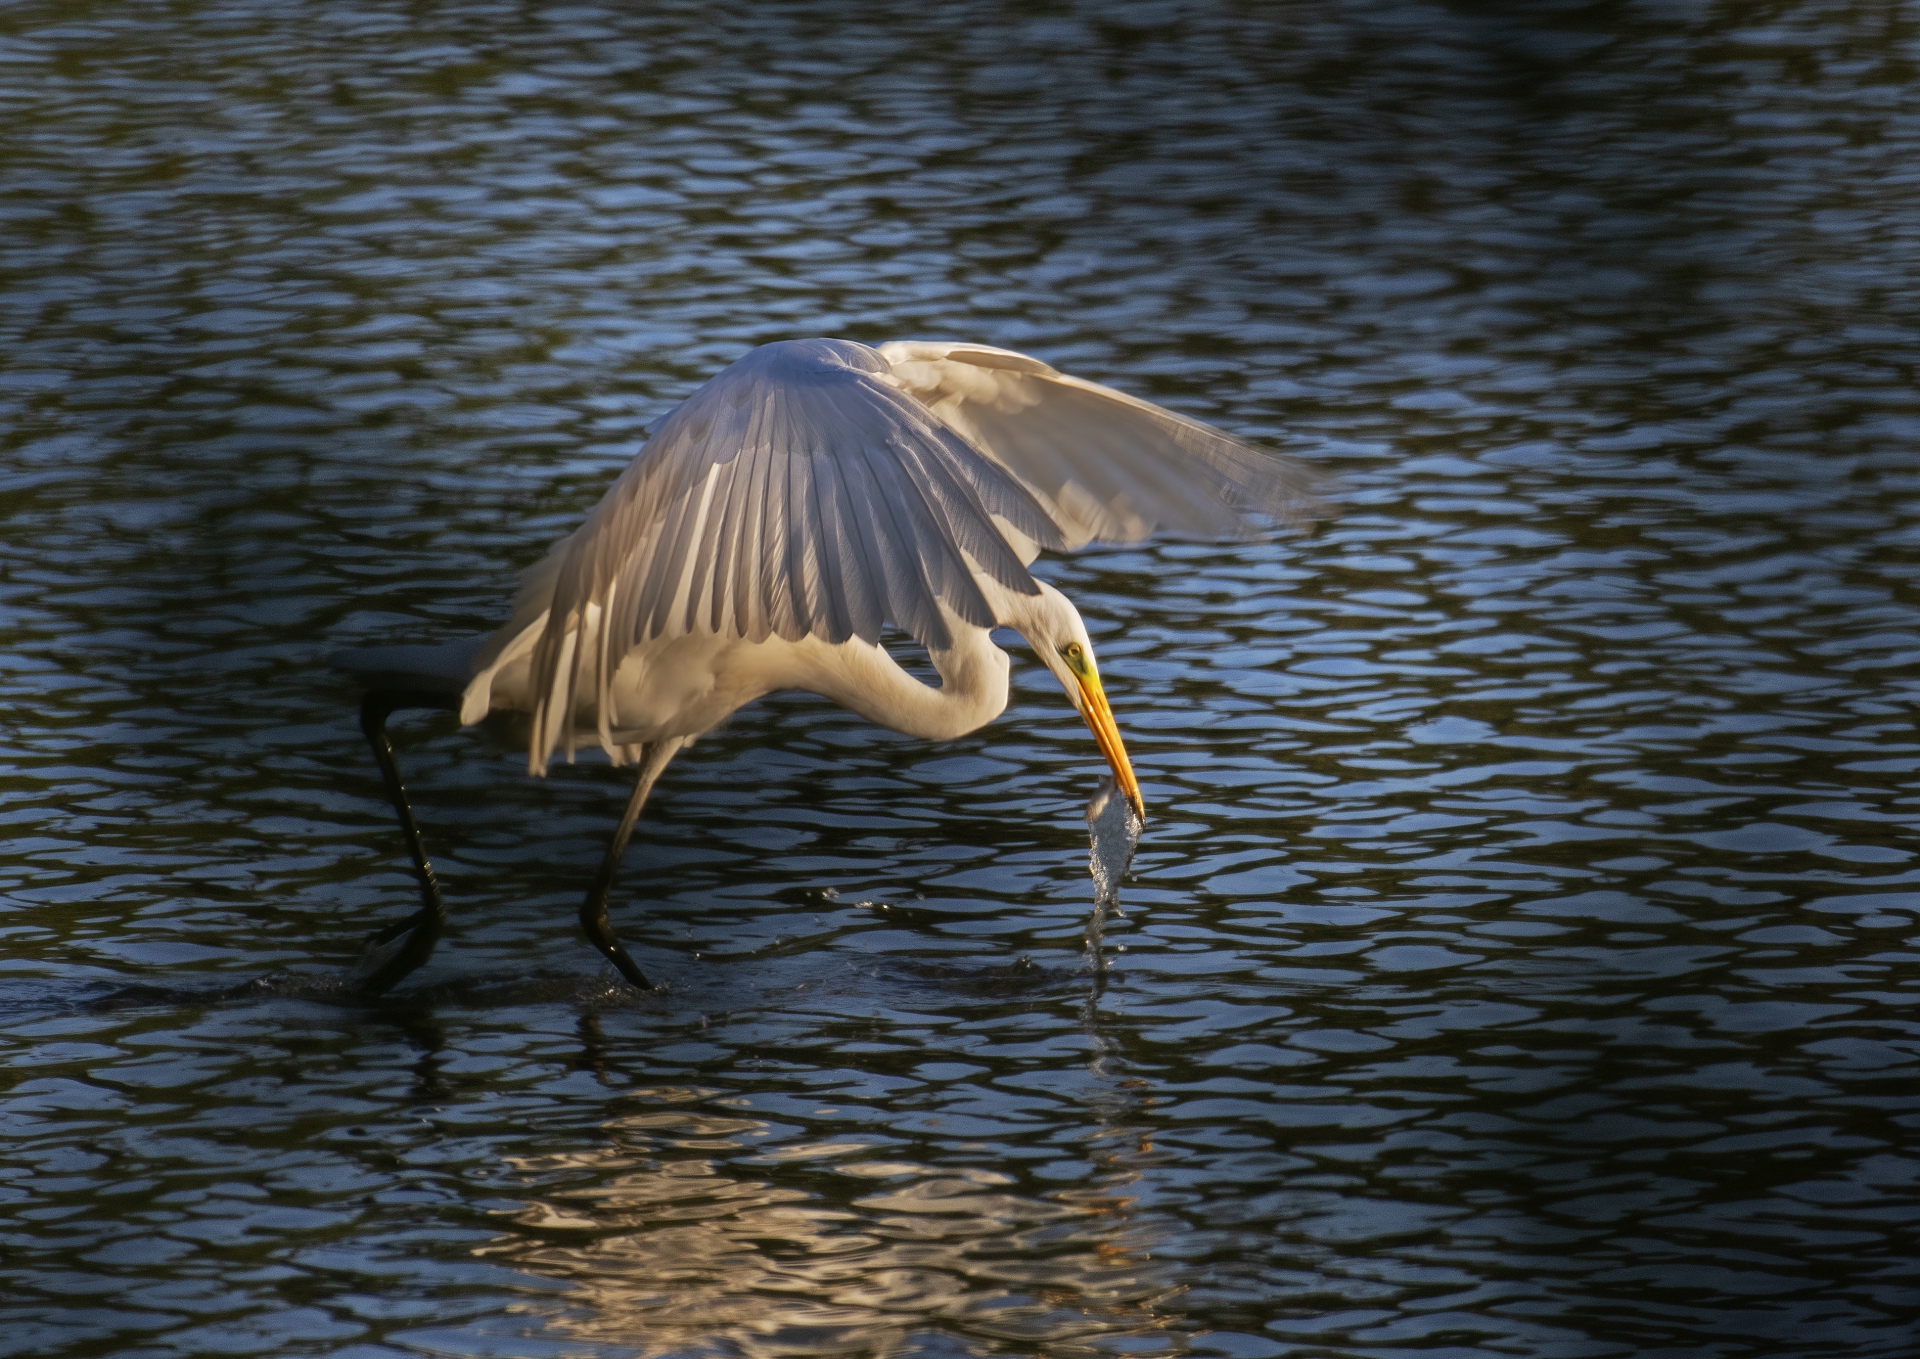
column 441, row 671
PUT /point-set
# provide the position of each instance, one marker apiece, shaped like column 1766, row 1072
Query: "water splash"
column 1113, row 828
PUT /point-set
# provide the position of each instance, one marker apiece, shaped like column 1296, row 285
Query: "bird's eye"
column 1071, row 651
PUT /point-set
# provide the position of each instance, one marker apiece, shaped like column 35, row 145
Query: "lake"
column 1520, row 958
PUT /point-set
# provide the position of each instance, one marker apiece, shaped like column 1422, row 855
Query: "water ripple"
column 1518, row 961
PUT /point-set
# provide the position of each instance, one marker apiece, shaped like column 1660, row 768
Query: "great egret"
column 807, row 495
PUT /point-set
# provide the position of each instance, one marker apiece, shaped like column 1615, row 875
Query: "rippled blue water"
column 1521, row 958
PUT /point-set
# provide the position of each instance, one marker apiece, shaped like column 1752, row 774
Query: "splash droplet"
column 1113, row 828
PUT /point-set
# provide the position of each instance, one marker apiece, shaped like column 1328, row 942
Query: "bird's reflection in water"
column 426, row 1035
column 1118, row 1146
column 593, row 1055
column 696, row 1225
column 670, row 1240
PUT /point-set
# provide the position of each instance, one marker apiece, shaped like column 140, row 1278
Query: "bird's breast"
column 675, row 686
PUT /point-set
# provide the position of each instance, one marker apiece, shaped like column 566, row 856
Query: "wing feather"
column 834, row 571
column 856, row 522
column 811, row 611
column 744, row 609
column 911, row 577
column 1108, row 467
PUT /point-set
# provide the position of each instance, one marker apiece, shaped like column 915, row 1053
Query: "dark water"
column 1521, row 957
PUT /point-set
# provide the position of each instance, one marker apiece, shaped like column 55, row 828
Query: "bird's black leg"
column 593, row 911
column 423, row 927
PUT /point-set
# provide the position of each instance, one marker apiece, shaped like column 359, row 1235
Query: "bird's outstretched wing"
column 793, row 494
column 1108, row 467
column 823, row 488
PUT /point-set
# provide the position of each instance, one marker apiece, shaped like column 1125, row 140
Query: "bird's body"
column 685, row 685
column 788, row 511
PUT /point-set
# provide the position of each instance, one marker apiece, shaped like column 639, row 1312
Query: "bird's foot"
column 393, row 952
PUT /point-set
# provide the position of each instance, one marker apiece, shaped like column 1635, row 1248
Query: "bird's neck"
column 972, row 692
column 973, row 671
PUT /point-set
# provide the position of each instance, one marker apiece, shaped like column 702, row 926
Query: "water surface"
column 1521, row 956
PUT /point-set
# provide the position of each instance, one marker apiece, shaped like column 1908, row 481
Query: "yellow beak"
column 1100, row 719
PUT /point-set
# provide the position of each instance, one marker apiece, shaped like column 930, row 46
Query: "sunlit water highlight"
column 1521, row 956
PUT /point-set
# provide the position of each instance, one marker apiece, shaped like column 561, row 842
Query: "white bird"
column 804, row 497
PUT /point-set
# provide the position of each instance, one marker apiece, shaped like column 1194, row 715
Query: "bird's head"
column 1058, row 636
